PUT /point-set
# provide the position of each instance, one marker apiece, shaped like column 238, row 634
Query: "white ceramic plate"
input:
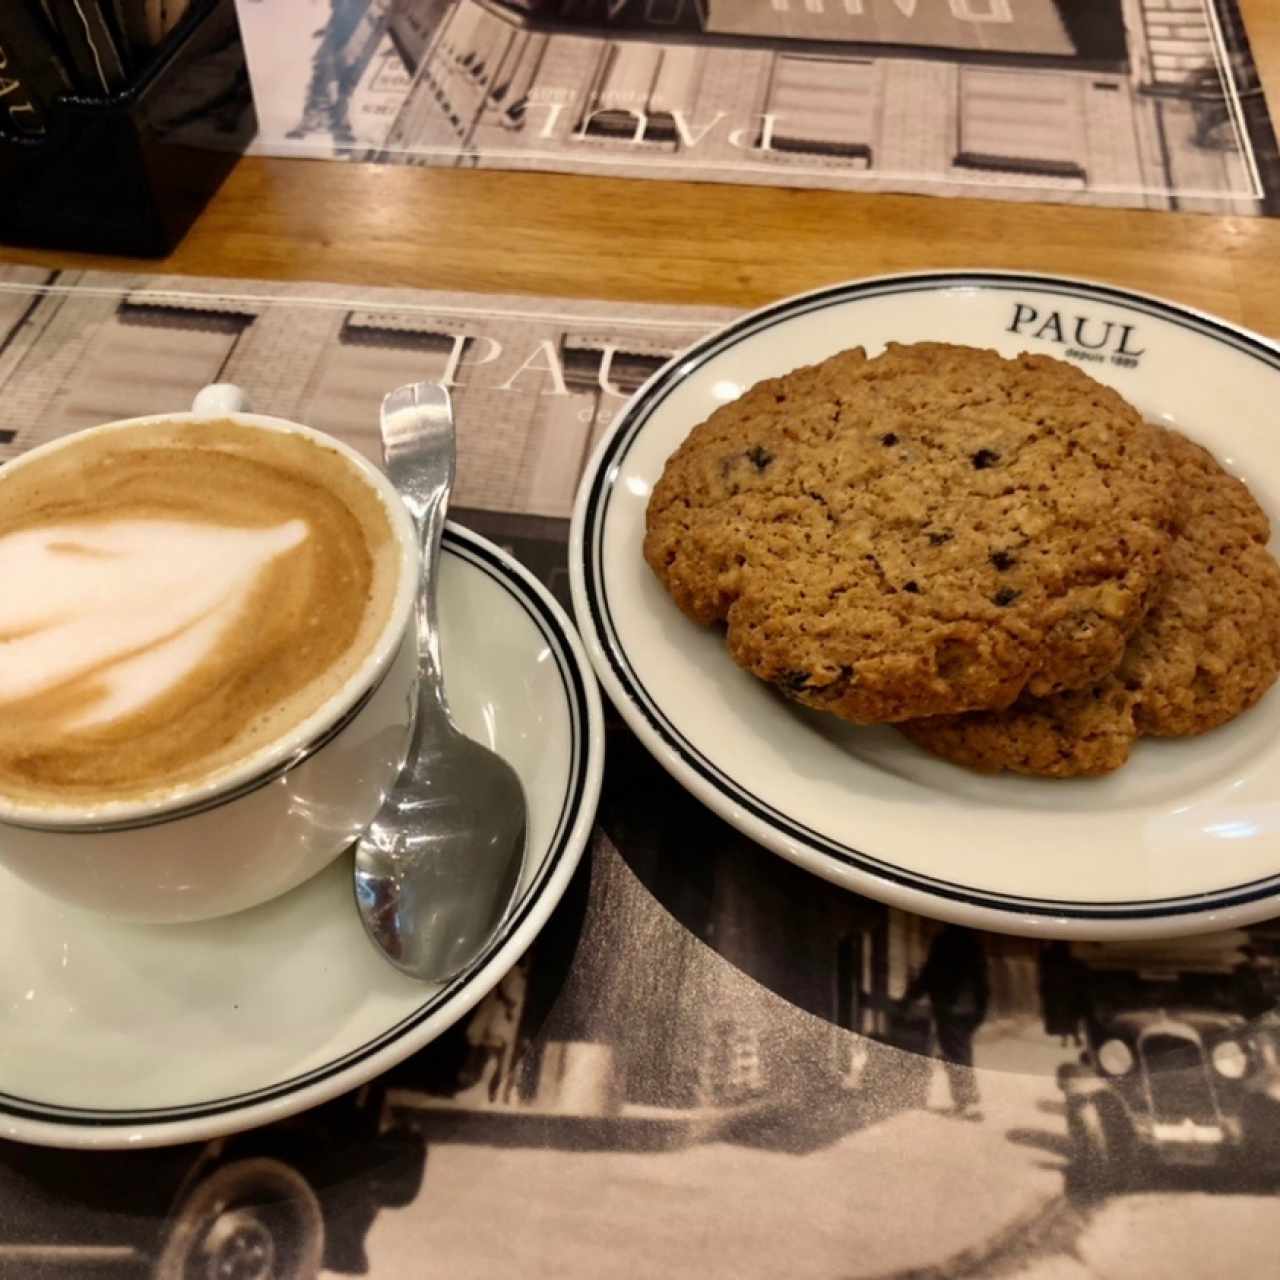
column 1184, row 839
column 125, row 1035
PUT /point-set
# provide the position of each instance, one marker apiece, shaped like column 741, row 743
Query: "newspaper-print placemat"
column 709, row 1063
column 1138, row 103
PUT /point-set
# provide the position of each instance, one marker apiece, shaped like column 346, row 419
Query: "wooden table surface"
column 696, row 243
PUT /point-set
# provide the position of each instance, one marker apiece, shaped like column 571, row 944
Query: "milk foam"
column 135, row 604
column 176, row 596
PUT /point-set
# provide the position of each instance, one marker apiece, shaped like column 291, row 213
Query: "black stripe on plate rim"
column 648, row 400
column 475, row 551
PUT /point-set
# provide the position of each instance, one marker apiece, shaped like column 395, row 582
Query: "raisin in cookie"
column 1208, row 650
column 933, row 530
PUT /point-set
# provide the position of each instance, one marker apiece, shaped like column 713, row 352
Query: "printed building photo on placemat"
column 710, row 1062
column 1138, row 103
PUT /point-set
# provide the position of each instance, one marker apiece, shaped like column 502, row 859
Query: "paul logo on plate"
column 1085, row 337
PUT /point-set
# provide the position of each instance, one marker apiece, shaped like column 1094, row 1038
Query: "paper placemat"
column 710, row 1063
column 1138, row 103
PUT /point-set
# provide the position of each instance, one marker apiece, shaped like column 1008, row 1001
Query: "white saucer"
column 128, row 1036
column 1184, row 839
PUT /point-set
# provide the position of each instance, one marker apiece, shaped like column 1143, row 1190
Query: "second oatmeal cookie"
column 1207, row 651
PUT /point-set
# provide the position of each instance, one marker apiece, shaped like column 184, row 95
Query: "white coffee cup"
column 273, row 820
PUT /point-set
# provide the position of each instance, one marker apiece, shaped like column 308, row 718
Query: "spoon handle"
column 419, row 450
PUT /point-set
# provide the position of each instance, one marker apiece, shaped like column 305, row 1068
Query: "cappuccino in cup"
column 175, row 596
column 207, row 659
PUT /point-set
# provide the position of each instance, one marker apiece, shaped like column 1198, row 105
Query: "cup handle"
column 219, row 398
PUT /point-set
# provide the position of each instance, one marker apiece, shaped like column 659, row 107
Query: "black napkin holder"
column 130, row 173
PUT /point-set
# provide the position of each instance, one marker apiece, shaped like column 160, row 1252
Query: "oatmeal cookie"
column 1208, row 650
column 930, row 531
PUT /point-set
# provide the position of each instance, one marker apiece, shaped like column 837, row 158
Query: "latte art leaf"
column 136, row 605
column 175, row 597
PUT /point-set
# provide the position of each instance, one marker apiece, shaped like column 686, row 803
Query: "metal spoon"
column 437, row 869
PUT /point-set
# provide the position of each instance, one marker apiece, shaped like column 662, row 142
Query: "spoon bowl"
column 437, row 869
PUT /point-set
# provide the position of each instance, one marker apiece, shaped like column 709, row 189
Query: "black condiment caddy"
column 128, row 174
